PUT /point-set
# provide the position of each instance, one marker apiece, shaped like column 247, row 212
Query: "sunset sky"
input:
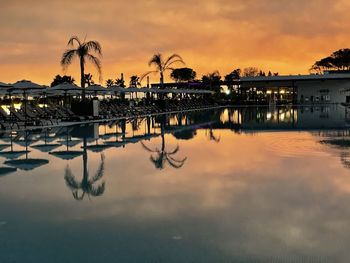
column 278, row 35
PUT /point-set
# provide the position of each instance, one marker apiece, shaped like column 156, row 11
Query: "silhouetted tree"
column 183, row 74
column 213, row 81
column 162, row 155
column 134, row 81
column 61, row 79
column 88, row 79
column 162, row 65
column 86, row 185
column 262, row 73
column 120, row 82
column 250, row 72
column 338, row 60
column 234, row 75
column 83, row 52
column 109, row 82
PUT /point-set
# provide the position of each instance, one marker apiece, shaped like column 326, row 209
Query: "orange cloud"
column 284, row 36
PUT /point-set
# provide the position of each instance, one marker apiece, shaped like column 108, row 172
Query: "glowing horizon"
column 281, row 36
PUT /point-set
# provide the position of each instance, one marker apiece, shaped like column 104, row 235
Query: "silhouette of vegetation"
column 229, row 78
column 86, row 185
column 234, row 75
column 212, row 136
column 134, row 81
column 185, row 134
column 88, row 79
column 250, row 72
column 83, row 52
column 338, row 60
column 120, row 82
column 164, row 156
column 61, row 79
column 162, row 65
column 109, row 82
column 213, row 81
column 183, row 74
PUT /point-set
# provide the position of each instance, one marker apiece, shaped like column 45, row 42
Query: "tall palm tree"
column 162, row 65
column 87, row 184
column 162, row 155
column 83, row 52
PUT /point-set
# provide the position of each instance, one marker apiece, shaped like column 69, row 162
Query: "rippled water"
column 225, row 185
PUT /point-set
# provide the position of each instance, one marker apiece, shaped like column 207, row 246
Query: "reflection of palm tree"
column 162, row 66
column 83, row 53
column 163, row 156
column 87, row 184
column 212, row 136
column 344, row 158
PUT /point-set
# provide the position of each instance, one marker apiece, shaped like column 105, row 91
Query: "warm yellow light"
column 282, row 91
column 268, row 92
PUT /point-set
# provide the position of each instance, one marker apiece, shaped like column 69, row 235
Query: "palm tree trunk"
column 82, row 77
column 85, row 168
column 161, row 80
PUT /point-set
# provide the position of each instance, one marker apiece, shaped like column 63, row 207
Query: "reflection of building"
column 314, row 117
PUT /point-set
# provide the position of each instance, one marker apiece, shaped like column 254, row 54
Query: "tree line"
column 91, row 51
column 338, row 60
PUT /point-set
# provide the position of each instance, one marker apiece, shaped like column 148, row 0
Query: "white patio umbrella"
column 26, row 87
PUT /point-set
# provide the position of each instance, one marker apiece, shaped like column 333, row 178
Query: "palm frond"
column 174, row 151
column 71, row 182
column 147, row 148
column 68, row 57
column 77, row 197
column 94, row 46
column 176, row 160
column 147, row 73
column 72, row 39
column 99, row 190
column 156, row 60
column 96, row 61
column 158, row 162
column 100, row 171
column 176, row 164
column 173, row 56
column 173, row 62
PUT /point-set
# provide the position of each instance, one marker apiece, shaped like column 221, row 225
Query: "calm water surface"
column 226, row 185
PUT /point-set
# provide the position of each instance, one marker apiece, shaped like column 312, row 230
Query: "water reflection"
column 87, row 185
column 256, row 184
column 162, row 154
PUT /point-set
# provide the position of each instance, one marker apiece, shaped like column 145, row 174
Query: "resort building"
column 301, row 89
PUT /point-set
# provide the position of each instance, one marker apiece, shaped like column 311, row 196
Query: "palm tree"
column 162, row 155
column 162, row 65
column 83, row 52
column 88, row 79
column 87, row 184
column 134, row 81
column 109, row 82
